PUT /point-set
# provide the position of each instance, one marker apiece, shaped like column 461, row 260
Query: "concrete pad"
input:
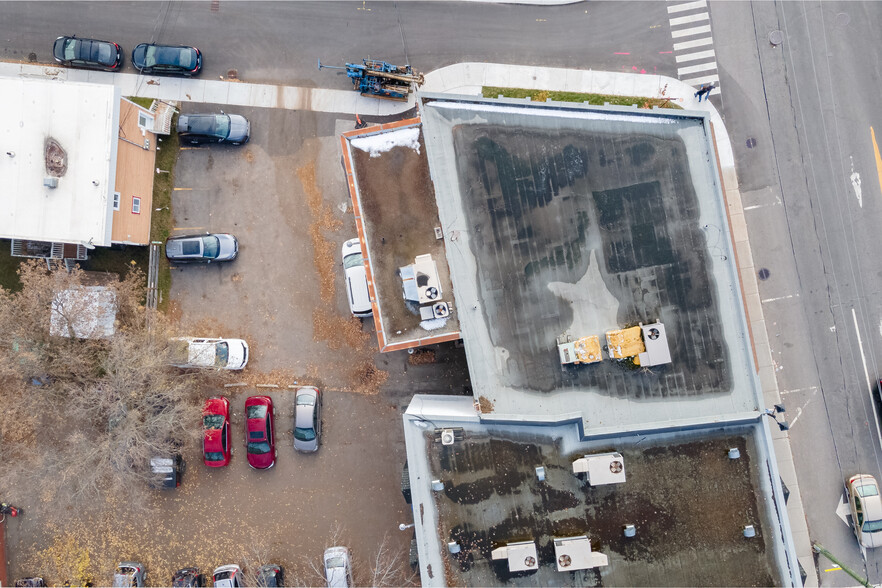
column 263, row 96
column 498, row 75
column 239, row 94
column 346, row 102
column 742, row 250
column 739, row 225
column 192, row 90
column 767, row 378
column 127, row 84
column 603, row 82
column 733, row 200
column 763, row 355
column 217, row 92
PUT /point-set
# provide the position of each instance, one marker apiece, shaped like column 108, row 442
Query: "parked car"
column 202, row 248
column 356, row 279
column 88, row 53
column 866, row 509
column 214, row 128
column 196, row 352
column 307, row 419
column 35, row 582
column 188, row 578
column 259, row 429
column 168, row 472
column 150, row 58
column 216, row 450
column 228, row 577
column 270, row 575
column 129, row 574
column 338, row 567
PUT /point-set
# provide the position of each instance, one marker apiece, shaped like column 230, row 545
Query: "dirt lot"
column 282, row 195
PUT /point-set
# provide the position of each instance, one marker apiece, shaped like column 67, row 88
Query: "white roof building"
column 83, row 120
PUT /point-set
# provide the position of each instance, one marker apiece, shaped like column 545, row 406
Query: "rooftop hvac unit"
column 426, row 274
column 447, row 437
column 50, row 182
column 440, row 310
column 602, row 468
column 522, row 556
column 574, row 553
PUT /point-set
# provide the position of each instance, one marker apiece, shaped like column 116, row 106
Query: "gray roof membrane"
column 570, row 220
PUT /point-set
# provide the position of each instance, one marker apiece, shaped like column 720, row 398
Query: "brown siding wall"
column 135, row 168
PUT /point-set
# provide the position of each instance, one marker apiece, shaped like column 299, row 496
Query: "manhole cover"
column 32, row 57
column 764, row 274
column 776, row 37
column 233, row 74
column 842, row 19
column 751, row 143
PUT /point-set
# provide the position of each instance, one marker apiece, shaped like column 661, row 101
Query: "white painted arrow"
column 843, row 511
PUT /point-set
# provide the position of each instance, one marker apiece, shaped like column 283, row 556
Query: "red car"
column 216, row 432
column 261, row 446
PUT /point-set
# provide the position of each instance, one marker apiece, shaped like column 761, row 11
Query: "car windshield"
column 258, row 448
column 257, row 411
column 306, row 400
column 353, row 260
column 867, row 490
column 304, row 434
column 214, row 456
column 221, row 354
column 336, row 561
column 210, row 246
column 222, row 125
column 213, row 421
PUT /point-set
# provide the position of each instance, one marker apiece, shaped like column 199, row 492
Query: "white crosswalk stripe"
column 699, row 66
column 695, row 56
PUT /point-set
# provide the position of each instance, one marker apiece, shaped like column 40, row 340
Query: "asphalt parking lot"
column 283, row 195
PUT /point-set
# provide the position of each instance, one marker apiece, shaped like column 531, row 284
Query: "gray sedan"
column 307, row 419
column 202, row 248
column 214, row 128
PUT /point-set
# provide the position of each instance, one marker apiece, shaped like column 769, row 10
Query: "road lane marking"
column 690, row 32
column 681, row 20
column 702, row 80
column 687, row 6
column 797, row 390
column 182, row 189
column 866, row 375
column 779, row 298
column 693, row 44
column 878, row 158
column 691, row 69
column 856, row 182
column 695, row 56
column 833, row 569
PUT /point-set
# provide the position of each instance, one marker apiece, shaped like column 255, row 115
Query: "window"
column 145, row 121
column 136, row 205
column 116, row 200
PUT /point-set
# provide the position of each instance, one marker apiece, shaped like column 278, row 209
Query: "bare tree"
column 390, row 567
column 83, row 415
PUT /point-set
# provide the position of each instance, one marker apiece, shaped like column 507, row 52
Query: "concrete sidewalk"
column 470, row 78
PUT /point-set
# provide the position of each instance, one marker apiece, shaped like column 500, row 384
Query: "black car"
column 214, row 128
column 188, row 578
column 270, row 575
column 149, row 58
column 89, row 53
column 167, row 472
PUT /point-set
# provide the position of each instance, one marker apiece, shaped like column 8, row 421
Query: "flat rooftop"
column 83, row 121
column 573, row 220
column 689, row 503
column 397, row 218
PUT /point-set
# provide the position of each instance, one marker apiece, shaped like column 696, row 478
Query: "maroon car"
column 216, row 432
column 259, row 439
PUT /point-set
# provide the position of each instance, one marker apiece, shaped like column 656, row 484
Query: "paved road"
column 280, row 43
column 800, row 117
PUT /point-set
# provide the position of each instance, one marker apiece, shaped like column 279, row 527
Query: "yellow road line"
column 832, row 569
column 185, row 189
column 188, row 148
column 878, row 158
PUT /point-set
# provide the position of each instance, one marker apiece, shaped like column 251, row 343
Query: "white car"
column 338, row 567
column 356, row 279
column 227, row 577
column 193, row 352
column 866, row 509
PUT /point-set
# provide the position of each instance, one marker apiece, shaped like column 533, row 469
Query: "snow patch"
column 432, row 324
column 538, row 111
column 378, row 144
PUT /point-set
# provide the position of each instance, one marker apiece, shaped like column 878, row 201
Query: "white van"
column 338, row 567
column 194, row 352
column 356, row 279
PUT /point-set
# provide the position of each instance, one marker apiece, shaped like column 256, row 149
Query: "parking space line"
column 188, row 148
column 182, row 189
